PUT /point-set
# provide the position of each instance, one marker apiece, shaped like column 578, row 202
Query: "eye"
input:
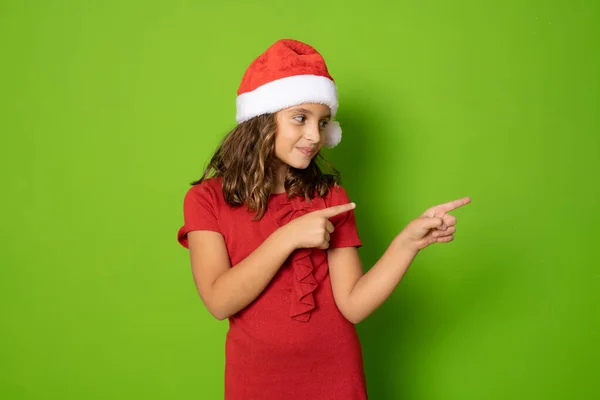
column 300, row 118
column 323, row 124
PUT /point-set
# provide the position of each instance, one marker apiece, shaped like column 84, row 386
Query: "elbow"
column 354, row 319
column 352, row 316
column 217, row 312
column 220, row 317
column 213, row 304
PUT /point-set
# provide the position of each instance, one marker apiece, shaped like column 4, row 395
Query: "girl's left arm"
column 356, row 294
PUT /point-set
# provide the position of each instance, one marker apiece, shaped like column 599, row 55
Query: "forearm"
column 374, row 287
column 242, row 284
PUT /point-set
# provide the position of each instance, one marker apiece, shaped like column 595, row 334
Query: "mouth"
column 306, row 151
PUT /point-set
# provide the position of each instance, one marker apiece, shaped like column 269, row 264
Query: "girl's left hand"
column 434, row 225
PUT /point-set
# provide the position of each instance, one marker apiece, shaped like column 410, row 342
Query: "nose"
column 312, row 132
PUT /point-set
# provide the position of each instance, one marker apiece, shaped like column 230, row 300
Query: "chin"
column 299, row 165
column 298, row 162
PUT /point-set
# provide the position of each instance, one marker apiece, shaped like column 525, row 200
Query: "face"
column 300, row 133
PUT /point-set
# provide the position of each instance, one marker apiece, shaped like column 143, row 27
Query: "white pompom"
column 333, row 134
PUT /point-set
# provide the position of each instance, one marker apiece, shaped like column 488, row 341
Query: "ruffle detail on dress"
column 304, row 282
column 304, row 285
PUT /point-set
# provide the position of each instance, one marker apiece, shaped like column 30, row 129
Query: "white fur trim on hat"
column 286, row 92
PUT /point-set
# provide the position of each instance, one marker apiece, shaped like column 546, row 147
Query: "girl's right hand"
column 314, row 229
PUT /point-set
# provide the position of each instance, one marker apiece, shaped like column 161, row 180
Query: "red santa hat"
column 287, row 74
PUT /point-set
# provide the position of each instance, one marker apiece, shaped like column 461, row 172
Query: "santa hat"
column 287, row 74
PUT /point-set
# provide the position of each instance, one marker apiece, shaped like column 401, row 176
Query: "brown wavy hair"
column 246, row 161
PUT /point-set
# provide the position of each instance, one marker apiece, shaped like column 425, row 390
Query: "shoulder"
column 209, row 190
column 336, row 195
column 210, row 185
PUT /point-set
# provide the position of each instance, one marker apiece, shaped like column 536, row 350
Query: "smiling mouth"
column 306, row 152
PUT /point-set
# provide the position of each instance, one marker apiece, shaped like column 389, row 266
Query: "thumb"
column 335, row 210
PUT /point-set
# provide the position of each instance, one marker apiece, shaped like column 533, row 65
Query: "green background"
column 108, row 109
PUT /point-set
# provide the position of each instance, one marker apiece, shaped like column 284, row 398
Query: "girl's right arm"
column 225, row 290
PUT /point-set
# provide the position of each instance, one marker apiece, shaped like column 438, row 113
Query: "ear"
column 333, row 134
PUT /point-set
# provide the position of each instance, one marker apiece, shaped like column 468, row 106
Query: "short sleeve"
column 200, row 211
column 346, row 232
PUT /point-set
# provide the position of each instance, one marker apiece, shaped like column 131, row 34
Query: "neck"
column 279, row 186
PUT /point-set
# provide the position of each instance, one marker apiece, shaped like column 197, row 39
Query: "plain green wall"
column 108, row 109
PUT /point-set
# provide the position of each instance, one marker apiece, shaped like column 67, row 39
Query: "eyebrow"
column 305, row 111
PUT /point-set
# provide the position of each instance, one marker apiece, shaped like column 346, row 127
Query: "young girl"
column 272, row 239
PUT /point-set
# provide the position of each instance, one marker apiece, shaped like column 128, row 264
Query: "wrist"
column 405, row 246
column 284, row 240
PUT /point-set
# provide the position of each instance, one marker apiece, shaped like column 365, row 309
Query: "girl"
column 272, row 239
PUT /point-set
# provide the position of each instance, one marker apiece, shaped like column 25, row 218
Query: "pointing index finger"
column 335, row 210
column 453, row 205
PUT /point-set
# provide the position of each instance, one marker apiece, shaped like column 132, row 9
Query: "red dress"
column 292, row 342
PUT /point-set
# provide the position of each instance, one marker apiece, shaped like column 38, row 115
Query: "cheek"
column 282, row 145
column 323, row 133
column 287, row 137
